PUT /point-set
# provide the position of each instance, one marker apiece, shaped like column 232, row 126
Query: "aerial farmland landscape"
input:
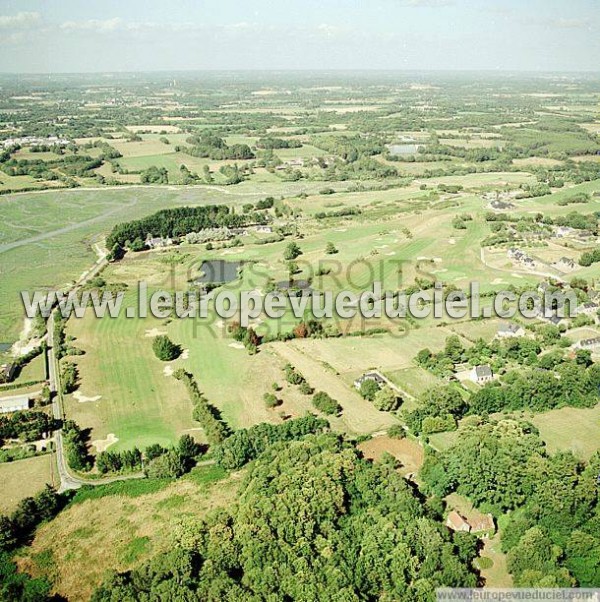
column 299, row 325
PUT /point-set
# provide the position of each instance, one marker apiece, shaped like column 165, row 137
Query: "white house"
column 377, row 378
column 481, row 375
column 508, row 330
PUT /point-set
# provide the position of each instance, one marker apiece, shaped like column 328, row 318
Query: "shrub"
column 326, row 404
column 164, row 349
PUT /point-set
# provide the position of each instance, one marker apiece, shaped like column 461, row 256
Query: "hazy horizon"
column 75, row 37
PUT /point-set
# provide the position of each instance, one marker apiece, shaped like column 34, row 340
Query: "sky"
column 56, row 36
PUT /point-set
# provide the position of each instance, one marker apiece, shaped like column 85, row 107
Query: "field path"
column 65, row 229
column 359, row 416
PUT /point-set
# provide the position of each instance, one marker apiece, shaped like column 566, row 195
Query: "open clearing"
column 408, row 452
column 570, row 429
column 24, row 478
column 119, row 532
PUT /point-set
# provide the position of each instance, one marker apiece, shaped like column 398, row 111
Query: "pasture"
column 25, row 478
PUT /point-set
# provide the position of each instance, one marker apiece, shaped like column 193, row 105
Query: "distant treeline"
column 179, row 221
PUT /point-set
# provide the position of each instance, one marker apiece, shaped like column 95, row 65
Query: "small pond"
column 219, row 271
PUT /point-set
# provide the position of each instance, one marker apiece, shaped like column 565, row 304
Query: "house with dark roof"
column 481, row 374
column 374, row 376
column 589, row 309
column 509, row 330
column 591, row 344
column 564, row 264
column 7, row 372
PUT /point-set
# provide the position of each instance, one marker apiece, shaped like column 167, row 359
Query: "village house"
column 481, row 374
column 509, row 330
column 456, row 522
column 522, row 258
column 588, row 309
column 483, row 525
column 562, row 231
column 16, row 403
column 374, row 376
column 7, row 372
column 590, row 344
column 157, row 243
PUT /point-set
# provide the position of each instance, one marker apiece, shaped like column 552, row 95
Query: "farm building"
column 456, row 522
column 16, row 403
column 509, row 330
column 521, row 257
column 483, row 525
column 374, row 376
column 7, row 372
column 481, row 374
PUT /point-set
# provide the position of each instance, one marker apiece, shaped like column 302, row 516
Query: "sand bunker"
column 168, row 371
column 81, row 398
column 154, row 332
column 237, row 345
column 103, row 444
column 185, row 354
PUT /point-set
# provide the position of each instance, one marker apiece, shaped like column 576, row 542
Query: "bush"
column 164, row 349
column 271, row 400
column 326, row 404
column 386, row 400
column 368, row 389
column 396, row 431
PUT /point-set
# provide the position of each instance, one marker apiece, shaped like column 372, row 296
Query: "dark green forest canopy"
column 553, row 535
column 179, row 221
column 314, row 521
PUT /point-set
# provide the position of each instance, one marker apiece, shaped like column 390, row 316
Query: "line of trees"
column 208, row 416
column 179, row 221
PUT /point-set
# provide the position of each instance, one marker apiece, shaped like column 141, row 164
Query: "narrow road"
column 64, row 230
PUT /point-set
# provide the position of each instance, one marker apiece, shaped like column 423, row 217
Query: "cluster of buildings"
column 34, row 141
column 565, row 231
column 564, row 264
column 208, row 234
column 521, row 257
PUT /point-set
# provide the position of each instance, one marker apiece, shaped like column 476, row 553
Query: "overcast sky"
column 149, row 35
